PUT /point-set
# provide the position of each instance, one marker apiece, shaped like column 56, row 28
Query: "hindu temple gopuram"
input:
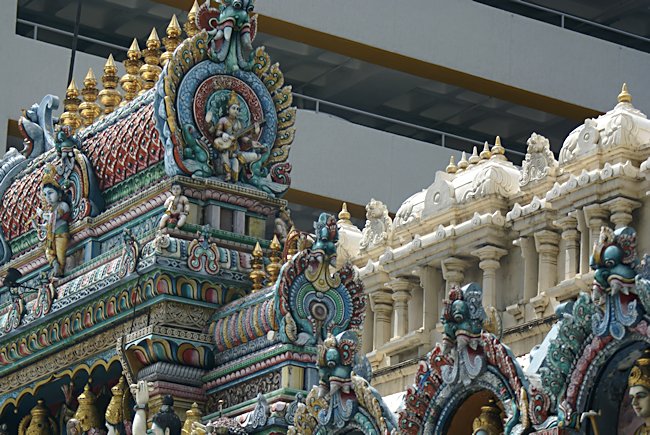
column 152, row 281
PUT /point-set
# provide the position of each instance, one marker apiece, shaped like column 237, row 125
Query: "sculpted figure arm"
column 141, row 394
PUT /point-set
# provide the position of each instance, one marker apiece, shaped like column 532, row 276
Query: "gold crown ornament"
column 87, row 413
column 233, row 99
column 50, row 177
column 115, row 410
column 640, row 373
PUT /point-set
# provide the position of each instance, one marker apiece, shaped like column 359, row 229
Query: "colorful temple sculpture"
column 152, row 279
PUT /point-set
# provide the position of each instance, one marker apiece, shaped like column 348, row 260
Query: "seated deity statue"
column 639, row 384
column 233, row 145
column 177, row 208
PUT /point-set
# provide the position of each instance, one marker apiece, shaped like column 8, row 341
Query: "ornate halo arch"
column 188, row 84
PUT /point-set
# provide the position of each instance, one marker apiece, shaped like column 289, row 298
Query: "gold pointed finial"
column 463, row 163
column 275, row 260
column 110, row 62
column 190, row 26
column 624, row 96
column 257, row 274
column 485, row 154
column 135, row 47
column 90, row 75
column 87, row 412
column 73, row 87
column 151, row 70
column 192, row 415
column 171, row 41
column 89, row 109
column 173, row 28
column 153, row 38
column 110, row 96
column 70, row 115
column 344, row 214
column 497, row 150
column 474, row 158
column 130, row 81
column 451, row 167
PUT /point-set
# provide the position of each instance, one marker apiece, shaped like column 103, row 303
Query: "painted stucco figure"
column 117, row 415
column 639, row 392
column 177, row 208
column 235, row 148
column 231, row 34
column 165, row 422
column 52, row 222
column 463, row 319
column 615, row 261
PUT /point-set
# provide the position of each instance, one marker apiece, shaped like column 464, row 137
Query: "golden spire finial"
column 192, row 415
column 153, row 39
column 451, row 167
column 110, row 96
column 130, row 81
column 257, row 268
column 190, row 26
column 463, row 163
column 70, row 115
column 87, row 412
column 89, row 109
column 171, row 41
column 485, row 154
column 474, row 158
column 624, row 96
column 73, row 87
column 151, row 70
column 344, row 214
column 275, row 260
column 134, row 48
column 497, row 150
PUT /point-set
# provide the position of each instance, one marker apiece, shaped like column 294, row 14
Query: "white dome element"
column 624, row 125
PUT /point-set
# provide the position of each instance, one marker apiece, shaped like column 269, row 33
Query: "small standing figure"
column 233, row 144
column 283, row 224
column 177, row 208
column 52, row 222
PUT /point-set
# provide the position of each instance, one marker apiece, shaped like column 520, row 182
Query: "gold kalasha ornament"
column 70, row 115
column 89, row 109
column 463, row 163
column 151, row 70
column 498, row 152
column 344, row 214
column 191, row 416
column 110, row 96
column 190, row 26
column 257, row 274
column 485, row 154
column 474, row 158
column 130, row 81
column 451, row 167
column 172, row 40
column 275, row 259
column 624, row 96
column 115, row 410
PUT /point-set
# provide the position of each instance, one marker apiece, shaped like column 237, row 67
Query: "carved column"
column 546, row 243
column 431, row 282
column 238, row 222
column 489, row 263
column 571, row 237
column 585, row 249
column 368, row 331
column 621, row 211
column 453, row 270
column 531, row 266
column 381, row 302
column 415, row 307
column 401, row 296
column 596, row 216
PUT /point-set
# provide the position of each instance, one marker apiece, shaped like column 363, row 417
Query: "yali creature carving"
column 615, row 261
